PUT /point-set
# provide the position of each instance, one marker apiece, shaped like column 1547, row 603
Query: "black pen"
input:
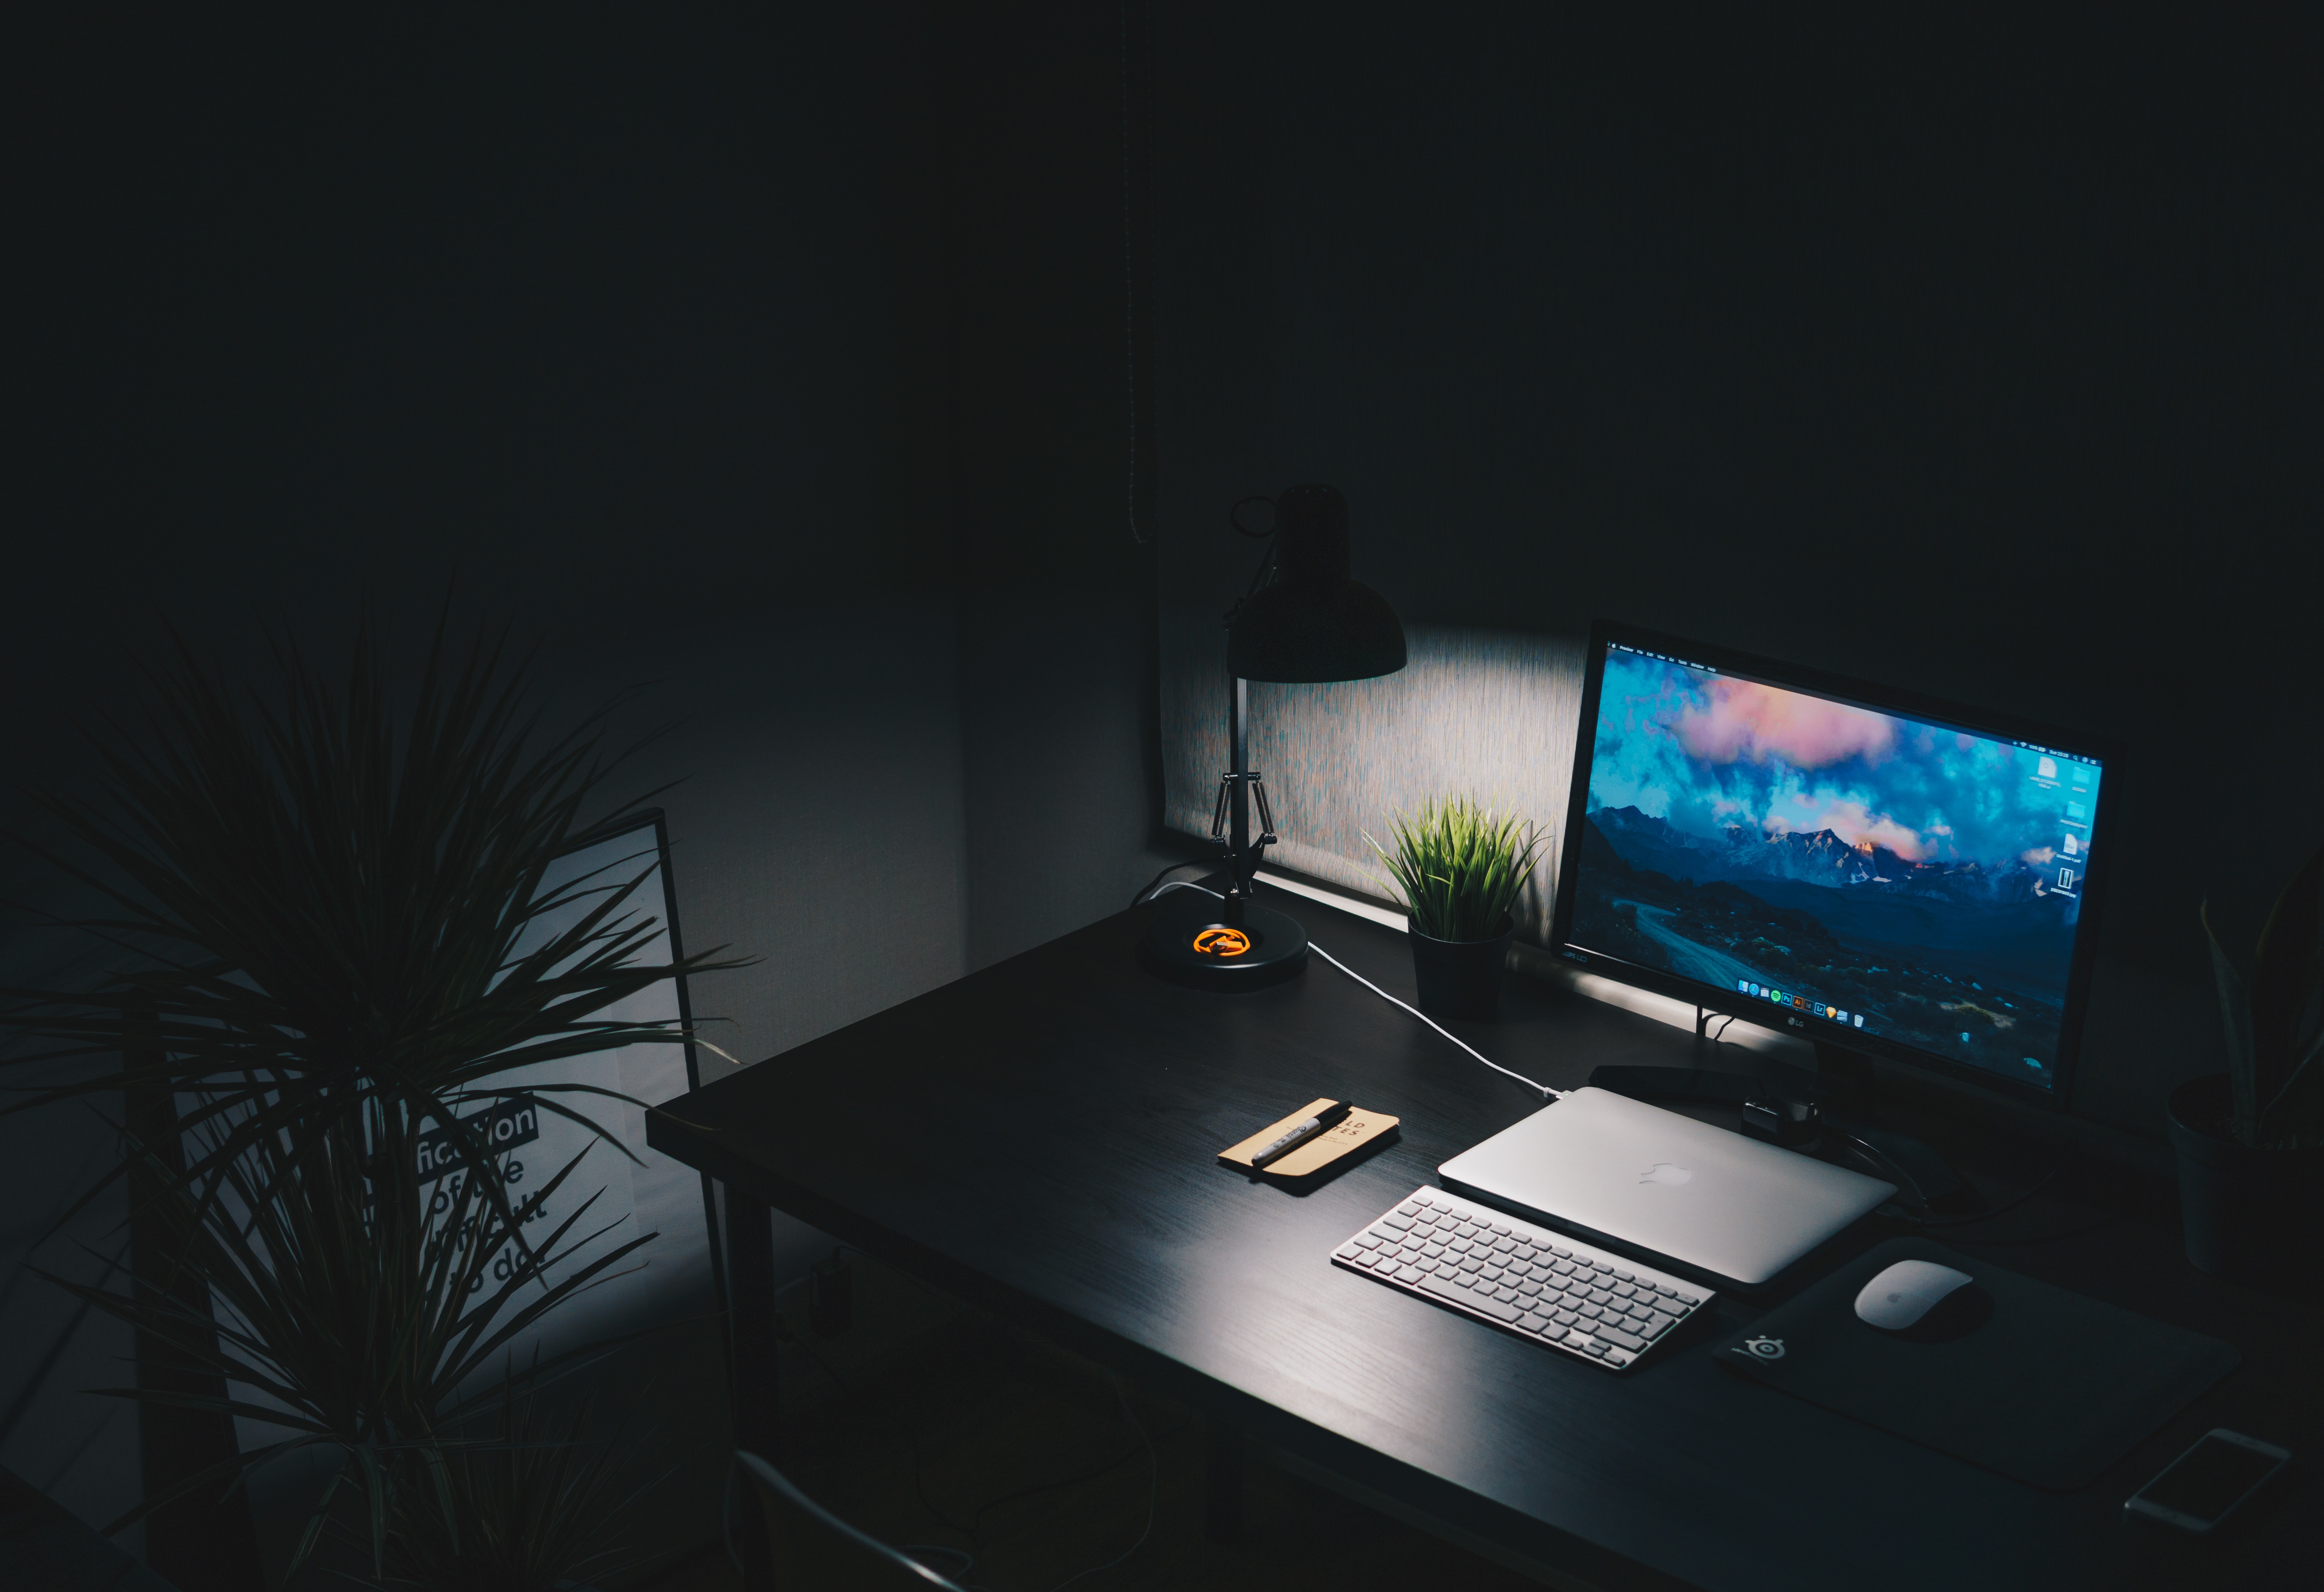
column 1300, row 1133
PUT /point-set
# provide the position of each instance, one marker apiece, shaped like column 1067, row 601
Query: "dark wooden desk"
column 1037, row 1138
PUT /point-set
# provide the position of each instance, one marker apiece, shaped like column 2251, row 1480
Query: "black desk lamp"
column 1303, row 620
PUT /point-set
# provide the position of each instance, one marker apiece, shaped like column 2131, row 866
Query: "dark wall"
column 361, row 303
column 1975, row 358
column 1053, row 474
column 771, row 364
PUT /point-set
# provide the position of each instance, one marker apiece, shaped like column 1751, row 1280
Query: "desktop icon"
column 1965, row 1039
column 2071, row 846
column 2046, row 769
column 1743, row 986
column 1859, row 1020
column 2075, row 810
column 2065, row 878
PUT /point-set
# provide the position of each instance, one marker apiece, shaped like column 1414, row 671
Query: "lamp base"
column 1203, row 943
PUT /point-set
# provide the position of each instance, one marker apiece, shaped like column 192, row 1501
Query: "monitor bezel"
column 1878, row 698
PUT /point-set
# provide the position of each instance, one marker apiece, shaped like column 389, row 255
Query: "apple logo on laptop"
column 1663, row 1171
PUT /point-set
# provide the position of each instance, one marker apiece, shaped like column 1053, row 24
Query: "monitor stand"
column 1842, row 1091
column 1849, row 1074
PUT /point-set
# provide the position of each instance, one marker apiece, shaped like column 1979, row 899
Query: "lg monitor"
column 1849, row 863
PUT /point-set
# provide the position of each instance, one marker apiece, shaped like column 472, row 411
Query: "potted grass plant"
column 1458, row 869
column 329, row 926
column 2250, row 1141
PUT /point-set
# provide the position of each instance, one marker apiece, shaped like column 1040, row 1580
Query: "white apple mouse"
column 1904, row 1292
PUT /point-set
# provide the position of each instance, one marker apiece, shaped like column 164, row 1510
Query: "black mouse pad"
column 2046, row 1386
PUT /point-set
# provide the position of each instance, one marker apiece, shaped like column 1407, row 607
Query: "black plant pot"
column 2251, row 1215
column 1461, row 977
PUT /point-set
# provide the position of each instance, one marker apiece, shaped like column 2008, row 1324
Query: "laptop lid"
column 1608, row 1167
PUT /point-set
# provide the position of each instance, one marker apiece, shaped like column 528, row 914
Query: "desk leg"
column 751, row 1326
column 1221, row 1481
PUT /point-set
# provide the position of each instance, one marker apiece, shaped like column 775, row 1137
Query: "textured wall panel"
column 1490, row 713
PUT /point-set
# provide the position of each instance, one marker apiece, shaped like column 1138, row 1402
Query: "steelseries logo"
column 1759, row 1348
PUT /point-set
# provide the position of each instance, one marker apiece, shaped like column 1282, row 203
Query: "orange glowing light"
column 1221, row 942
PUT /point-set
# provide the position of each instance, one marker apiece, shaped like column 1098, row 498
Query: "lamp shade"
column 1310, row 623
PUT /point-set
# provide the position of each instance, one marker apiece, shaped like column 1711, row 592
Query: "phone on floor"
column 2210, row 1481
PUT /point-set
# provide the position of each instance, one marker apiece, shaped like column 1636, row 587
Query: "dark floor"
column 1026, row 1458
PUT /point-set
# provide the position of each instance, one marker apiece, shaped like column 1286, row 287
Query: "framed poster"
column 680, row 1274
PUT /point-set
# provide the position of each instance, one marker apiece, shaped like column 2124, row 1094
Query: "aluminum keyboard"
column 1539, row 1284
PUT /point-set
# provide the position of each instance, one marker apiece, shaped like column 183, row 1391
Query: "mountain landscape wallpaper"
column 1924, row 879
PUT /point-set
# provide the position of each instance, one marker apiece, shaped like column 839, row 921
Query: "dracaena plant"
column 1459, row 867
column 362, row 1301
column 2276, row 1020
column 314, row 905
column 329, row 925
column 525, row 1504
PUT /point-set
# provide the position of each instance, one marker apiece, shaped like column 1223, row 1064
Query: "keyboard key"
column 1534, row 1323
column 1461, row 1296
column 1626, row 1276
column 1563, row 1316
column 1591, row 1311
column 1410, row 1207
column 1656, row 1325
column 1424, row 1198
column 1407, row 1273
column 1368, row 1240
column 1500, row 1231
column 1462, row 1245
column 1564, row 1268
column 1529, row 1288
column 1348, row 1251
column 1622, row 1289
column 1627, row 1339
column 1470, row 1262
column 1560, row 1253
column 1397, row 1222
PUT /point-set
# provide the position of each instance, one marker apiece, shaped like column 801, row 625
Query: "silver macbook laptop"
column 1613, row 1167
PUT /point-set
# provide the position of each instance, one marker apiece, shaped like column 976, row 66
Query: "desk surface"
column 1038, row 1137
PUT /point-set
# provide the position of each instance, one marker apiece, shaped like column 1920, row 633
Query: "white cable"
column 1545, row 1092
column 1162, row 890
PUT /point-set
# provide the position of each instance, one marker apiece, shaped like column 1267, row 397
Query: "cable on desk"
column 1984, row 1216
column 1148, row 892
column 1544, row 1090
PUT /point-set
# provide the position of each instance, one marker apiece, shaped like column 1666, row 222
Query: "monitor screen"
column 1832, row 860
